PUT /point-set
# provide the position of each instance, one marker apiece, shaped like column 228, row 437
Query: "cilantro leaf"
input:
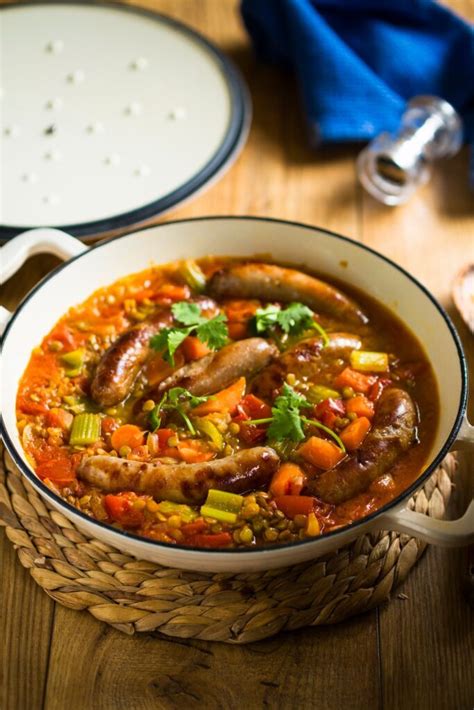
column 266, row 318
column 213, row 332
column 295, row 318
column 175, row 400
column 168, row 341
column 177, row 395
column 286, row 419
column 187, row 313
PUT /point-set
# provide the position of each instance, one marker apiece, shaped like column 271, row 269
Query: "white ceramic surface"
column 105, row 110
column 315, row 248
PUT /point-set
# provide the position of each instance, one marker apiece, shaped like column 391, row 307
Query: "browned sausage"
column 308, row 359
column 217, row 370
column 275, row 283
column 121, row 363
column 182, row 482
column 392, row 434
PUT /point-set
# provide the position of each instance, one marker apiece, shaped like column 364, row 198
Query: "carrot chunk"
column 224, row 401
column 127, row 435
column 356, row 380
column 222, row 539
column 361, row 406
column 288, row 480
column 321, row 452
column 354, row 433
column 193, row 348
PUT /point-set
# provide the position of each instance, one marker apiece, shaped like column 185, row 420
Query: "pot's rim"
column 182, row 549
column 227, row 151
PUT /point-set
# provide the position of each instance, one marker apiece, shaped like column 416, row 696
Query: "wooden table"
column 412, row 653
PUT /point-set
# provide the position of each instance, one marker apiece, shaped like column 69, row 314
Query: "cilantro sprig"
column 287, row 421
column 177, row 399
column 211, row 331
column 293, row 320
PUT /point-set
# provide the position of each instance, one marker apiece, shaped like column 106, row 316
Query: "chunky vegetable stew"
column 226, row 403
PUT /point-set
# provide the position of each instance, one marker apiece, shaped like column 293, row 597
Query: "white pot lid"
column 110, row 115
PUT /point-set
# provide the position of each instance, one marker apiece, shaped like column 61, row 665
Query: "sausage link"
column 120, row 364
column 392, row 434
column 217, row 370
column 309, row 359
column 275, row 283
column 182, row 482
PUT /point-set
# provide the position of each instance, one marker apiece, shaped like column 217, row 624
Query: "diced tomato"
column 64, row 335
column 163, row 436
column 251, row 433
column 127, row 435
column 197, row 526
column 169, row 293
column 354, row 433
column 27, row 406
column 377, row 388
column 295, row 505
column 328, row 410
column 108, row 425
column 354, row 379
column 254, row 407
column 321, row 452
column 57, row 417
column 59, row 470
column 121, row 508
column 193, row 348
column 361, row 406
column 288, row 480
column 222, row 539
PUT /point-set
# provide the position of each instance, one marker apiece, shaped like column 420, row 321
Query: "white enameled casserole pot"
column 87, row 269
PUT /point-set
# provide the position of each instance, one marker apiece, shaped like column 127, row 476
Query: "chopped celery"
column 222, row 506
column 206, row 427
column 74, row 359
column 186, row 513
column 193, row 275
column 73, row 372
column 366, row 361
column 318, row 393
column 85, row 429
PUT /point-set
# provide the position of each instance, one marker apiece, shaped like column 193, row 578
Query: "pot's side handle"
column 36, row 241
column 447, row 533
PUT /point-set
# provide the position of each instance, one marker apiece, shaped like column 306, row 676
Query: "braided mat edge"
column 139, row 596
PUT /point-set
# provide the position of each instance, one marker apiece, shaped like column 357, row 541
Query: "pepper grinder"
column 394, row 165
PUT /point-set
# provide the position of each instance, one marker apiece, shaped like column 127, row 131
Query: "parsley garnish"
column 287, row 421
column 211, row 331
column 177, row 399
column 294, row 320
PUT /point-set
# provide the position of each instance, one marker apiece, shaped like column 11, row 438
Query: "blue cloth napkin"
column 360, row 61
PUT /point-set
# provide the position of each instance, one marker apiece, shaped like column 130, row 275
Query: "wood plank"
column 102, row 668
column 26, row 622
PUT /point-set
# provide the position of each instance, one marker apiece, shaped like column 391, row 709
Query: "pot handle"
column 35, row 241
column 465, row 438
column 446, row 533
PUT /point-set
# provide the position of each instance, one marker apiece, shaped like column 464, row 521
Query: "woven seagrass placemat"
column 138, row 596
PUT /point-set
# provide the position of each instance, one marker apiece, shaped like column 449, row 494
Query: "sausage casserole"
column 227, row 403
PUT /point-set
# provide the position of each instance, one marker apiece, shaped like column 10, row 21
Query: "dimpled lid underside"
column 103, row 111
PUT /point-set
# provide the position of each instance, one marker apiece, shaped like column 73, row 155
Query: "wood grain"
column 414, row 653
